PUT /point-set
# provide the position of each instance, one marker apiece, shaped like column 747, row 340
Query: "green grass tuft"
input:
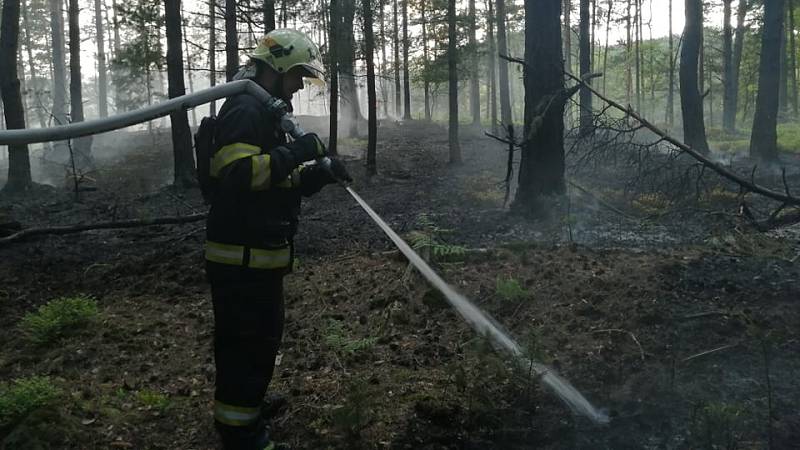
column 510, row 289
column 23, row 396
column 58, row 317
column 152, row 399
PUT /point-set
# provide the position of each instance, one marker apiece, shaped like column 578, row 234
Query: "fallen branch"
column 708, row 352
column 618, row 330
column 100, row 226
column 722, row 171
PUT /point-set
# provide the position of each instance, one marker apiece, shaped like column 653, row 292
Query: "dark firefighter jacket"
column 254, row 212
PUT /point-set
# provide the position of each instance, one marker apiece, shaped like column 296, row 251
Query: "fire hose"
column 480, row 321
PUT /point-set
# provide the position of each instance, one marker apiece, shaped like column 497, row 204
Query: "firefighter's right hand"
column 308, row 148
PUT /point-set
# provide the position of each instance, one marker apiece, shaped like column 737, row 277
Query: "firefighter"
column 259, row 179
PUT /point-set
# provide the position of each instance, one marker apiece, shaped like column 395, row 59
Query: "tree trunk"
column 335, row 23
column 19, row 166
column 406, row 73
column 189, row 68
column 395, row 31
column 628, row 47
column 567, row 30
column 231, row 40
column 82, row 146
column 638, row 56
column 541, row 171
column 212, row 51
column 736, row 58
column 586, row 67
column 426, row 83
column 384, row 90
column 474, row 92
column 502, row 48
column 269, row 15
column 347, row 56
column 783, row 88
column 35, row 81
column 605, row 50
column 694, row 129
column 372, row 107
column 452, row 76
column 492, row 66
column 728, row 115
column 764, row 138
column 184, row 175
column 792, row 60
column 59, row 110
column 671, row 87
column 102, row 80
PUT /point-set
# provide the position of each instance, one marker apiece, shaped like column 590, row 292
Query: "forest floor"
column 686, row 328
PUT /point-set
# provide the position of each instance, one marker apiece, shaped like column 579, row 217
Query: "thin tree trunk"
column 475, row 92
column 59, row 110
column 605, row 50
column 82, row 146
column 671, row 87
column 189, row 68
column 764, row 137
column 638, row 56
column 568, row 51
column 694, row 130
column 406, row 73
column 728, row 115
column 792, row 60
column 738, row 48
column 397, row 102
column 35, row 81
column 19, row 167
column 117, row 45
column 347, row 56
column 586, row 67
column 181, row 134
column 212, row 51
column 452, row 75
column 502, row 48
column 783, row 95
column 102, row 80
column 492, row 65
column 384, row 90
column 335, row 22
column 231, row 40
column 372, row 107
column 426, row 83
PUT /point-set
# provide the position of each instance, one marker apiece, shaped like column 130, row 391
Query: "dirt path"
column 670, row 334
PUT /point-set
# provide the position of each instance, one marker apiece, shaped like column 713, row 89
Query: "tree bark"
column 59, row 110
column 541, row 171
column 82, row 146
column 605, row 50
column 628, row 47
column 269, row 15
column 452, row 75
column 764, row 137
column 347, row 55
column 183, row 175
column 736, row 58
column 694, row 130
column 406, row 72
column 492, row 66
column 728, row 115
column 372, row 106
column 792, row 60
column 231, row 40
column 398, row 105
column 426, row 83
column 102, row 79
column 502, row 48
column 212, row 51
column 382, row 71
column 474, row 92
column 19, row 167
column 335, row 22
column 671, row 88
column 35, row 81
column 570, row 117
column 783, row 84
column 586, row 67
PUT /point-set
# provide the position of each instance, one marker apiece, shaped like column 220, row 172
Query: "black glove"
column 307, row 148
column 339, row 171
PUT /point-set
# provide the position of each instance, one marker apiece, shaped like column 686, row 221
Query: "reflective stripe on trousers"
column 258, row 258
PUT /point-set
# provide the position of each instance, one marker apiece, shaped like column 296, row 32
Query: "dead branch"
column 708, row 352
column 69, row 229
column 722, row 171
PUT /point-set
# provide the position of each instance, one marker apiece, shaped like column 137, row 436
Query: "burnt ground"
column 684, row 327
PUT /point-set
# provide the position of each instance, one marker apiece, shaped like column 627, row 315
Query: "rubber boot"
column 250, row 437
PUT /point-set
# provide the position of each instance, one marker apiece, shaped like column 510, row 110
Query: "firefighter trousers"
column 248, row 316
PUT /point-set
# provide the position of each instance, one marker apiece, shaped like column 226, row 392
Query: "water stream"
column 483, row 324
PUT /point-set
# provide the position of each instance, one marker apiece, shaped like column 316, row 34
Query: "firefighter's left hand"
column 339, row 171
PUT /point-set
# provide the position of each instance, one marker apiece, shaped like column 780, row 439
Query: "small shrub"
column 152, row 399
column 510, row 289
column 336, row 339
column 58, row 317
column 23, row 396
